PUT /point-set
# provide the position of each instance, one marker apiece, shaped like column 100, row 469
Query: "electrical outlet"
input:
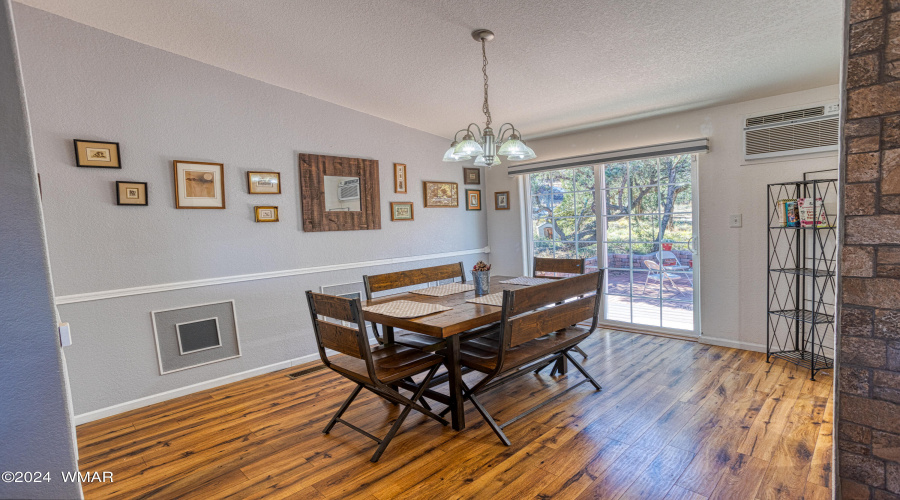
column 734, row 220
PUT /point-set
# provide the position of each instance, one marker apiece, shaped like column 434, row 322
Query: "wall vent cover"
column 808, row 130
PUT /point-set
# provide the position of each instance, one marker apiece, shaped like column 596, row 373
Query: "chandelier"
column 483, row 145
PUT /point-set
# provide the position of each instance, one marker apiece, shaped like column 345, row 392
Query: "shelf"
column 807, row 227
column 794, row 183
column 804, row 359
column 804, row 315
column 804, row 271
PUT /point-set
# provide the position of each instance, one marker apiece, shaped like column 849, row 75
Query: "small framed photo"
column 97, row 154
column 441, row 194
column 264, row 182
column 501, row 200
column 266, row 214
column 400, row 178
column 402, row 210
column 131, row 193
column 472, row 176
column 199, row 184
column 473, row 199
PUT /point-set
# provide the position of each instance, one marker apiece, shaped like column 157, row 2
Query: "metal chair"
column 656, row 273
column 372, row 369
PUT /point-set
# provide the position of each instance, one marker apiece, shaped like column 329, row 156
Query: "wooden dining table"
column 448, row 325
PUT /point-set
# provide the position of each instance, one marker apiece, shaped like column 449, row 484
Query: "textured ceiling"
column 554, row 66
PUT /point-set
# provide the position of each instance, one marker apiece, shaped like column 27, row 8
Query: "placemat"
column 525, row 280
column 494, row 299
column 441, row 290
column 406, row 309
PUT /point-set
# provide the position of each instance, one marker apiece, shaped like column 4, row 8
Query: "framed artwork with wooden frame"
column 501, row 200
column 473, row 199
column 400, row 178
column 441, row 194
column 339, row 194
column 471, row 176
column 264, row 182
column 131, row 193
column 199, row 184
column 97, row 154
column 402, row 210
column 266, row 214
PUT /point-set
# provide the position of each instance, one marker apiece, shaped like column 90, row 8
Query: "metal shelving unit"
column 801, row 279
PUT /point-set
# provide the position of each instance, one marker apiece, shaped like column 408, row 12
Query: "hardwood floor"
column 675, row 420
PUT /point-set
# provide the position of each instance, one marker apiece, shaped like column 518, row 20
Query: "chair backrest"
column 400, row 279
column 352, row 341
column 565, row 266
column 526, row 317
column 667, row 255
column 651, row 265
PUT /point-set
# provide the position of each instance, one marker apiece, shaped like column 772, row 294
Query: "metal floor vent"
column 307, row 371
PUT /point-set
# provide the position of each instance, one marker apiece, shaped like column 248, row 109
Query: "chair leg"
column 424, row 402
column 343, row 408
column 580, row 351
column 583, row 371
column 486, row 416
column 394, row 428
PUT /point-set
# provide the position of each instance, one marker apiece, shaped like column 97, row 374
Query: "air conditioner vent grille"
column 786, row 116
column 792, row 137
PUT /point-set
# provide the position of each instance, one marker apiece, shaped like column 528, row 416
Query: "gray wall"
column 36, row 432
column 88, row 84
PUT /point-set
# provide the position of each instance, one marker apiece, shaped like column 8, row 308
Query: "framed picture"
column 131, row 193
column 501, row 200
column 472, row 176
column 264, row 182
column 402, row 210
column 266, row 214
column 97, row 154
column 473, row 199
column 339, row 193
column 400, row 178
column 199, row 184
column 441, row 194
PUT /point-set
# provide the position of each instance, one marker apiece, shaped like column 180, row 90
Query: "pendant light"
column 481, row 143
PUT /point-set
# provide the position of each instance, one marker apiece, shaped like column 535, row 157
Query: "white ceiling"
column 554, row 66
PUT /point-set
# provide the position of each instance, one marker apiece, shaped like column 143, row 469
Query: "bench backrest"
column 566, row 266
column 400, row 279
column 572, row 300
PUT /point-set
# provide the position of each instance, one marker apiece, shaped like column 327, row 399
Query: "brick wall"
column 868, row 440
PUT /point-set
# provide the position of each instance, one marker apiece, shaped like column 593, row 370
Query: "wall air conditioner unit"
column 348, row 190
column 808, row 130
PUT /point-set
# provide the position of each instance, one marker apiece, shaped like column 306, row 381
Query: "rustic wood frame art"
column 401, row 204
column 430, row 188
column 314, row 168
column 471, row 176
column 400, row 178
column 497, row 204
column 473, row 194
column 108, row 152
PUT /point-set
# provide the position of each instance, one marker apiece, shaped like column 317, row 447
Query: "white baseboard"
column 189, row 389
column 747, row 346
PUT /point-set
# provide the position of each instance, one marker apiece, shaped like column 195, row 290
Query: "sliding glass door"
column 648, row 239
column 636, row 219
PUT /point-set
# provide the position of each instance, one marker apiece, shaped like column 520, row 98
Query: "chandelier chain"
column 485, row 107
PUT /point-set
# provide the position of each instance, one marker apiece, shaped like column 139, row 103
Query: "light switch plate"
column 65, row 335
column 734, row 220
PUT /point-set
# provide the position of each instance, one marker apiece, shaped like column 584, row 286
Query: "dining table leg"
column 388, row 335
column 457, row 410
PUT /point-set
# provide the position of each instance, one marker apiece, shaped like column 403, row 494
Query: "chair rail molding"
column 224, row 280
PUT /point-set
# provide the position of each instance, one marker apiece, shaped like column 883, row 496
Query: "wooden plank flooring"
column 675, row 420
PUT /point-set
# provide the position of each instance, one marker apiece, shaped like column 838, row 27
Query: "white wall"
column 36, row 432
column 733, row 261
column 83, row 83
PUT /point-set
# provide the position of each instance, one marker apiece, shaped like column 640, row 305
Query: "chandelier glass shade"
column 482, row 143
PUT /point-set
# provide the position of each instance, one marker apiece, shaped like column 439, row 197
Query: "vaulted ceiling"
column 554, row 66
